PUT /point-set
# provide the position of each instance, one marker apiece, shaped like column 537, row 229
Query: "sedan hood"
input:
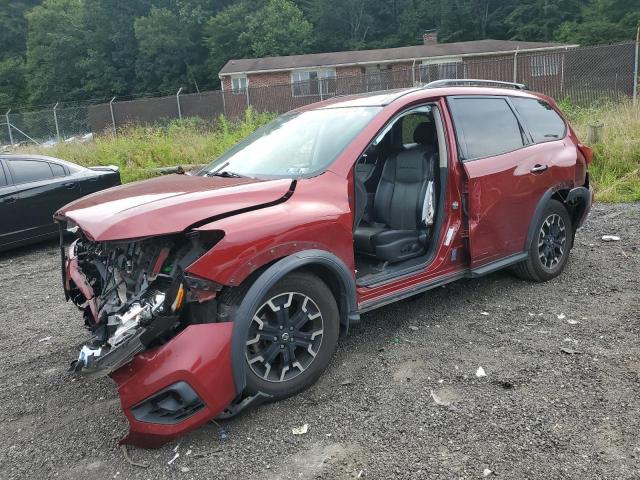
column 168, row 204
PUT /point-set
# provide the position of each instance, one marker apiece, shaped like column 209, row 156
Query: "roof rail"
column 472, row 82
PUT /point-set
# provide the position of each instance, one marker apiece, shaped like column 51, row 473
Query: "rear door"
column 507, row 174
column 38, row 195
column 8, row 214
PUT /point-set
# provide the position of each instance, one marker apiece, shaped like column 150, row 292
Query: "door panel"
column 507, row 172
column 9, row 215
column 503, row 195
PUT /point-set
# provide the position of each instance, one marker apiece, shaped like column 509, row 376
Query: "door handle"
column 8, row 200
column 539, row 168
column 70, row 185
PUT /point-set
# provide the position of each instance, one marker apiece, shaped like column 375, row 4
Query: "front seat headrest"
column 425, row 134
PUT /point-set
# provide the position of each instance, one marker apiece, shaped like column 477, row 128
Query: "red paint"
column 501, row 196
column 201, row 356
column 73, row 274
column 166, row 204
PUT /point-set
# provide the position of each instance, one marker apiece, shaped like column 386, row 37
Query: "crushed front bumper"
column 168, row 391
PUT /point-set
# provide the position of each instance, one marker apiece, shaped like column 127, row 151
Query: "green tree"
column 12, row 83
column 278, row 28
column 56, row 46
column 603, row 21
column 165, row 52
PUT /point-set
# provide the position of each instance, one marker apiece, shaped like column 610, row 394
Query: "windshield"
column 294, row 145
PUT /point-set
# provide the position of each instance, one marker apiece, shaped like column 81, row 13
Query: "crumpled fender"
column 200, row 355
column 73, row 273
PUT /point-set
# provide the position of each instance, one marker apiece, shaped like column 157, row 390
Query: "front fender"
column 251, row 301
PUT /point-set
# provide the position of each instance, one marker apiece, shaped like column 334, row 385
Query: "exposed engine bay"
column 135, row 294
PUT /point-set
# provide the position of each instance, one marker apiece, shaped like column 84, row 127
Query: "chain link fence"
column 584, row 75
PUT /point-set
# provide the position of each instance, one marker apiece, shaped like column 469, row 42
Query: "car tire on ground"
column 292, row 336
column 550, row 245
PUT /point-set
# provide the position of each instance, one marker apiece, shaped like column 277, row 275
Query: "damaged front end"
column 154, row 329
column 132, row 294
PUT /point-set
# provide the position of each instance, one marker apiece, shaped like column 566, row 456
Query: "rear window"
column 29, row 171
column 58, row 170
column 3, row 177
column 485, row 127
column 543, row 122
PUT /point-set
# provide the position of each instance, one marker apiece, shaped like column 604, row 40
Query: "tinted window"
column 3, row 177
column 543, row 121
column 58, row 170
column 485, row 127
column 29, row 171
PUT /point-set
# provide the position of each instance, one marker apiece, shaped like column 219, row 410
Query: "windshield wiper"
column 225, row 173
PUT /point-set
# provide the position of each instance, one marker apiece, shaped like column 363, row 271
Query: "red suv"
column 211, row 292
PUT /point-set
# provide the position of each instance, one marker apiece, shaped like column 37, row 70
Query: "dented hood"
column 168, row 204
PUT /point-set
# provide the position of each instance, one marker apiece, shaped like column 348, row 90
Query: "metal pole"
column 246, row 89
column 55, row 119
column 9, row 127
column 178, row 102
column 635, row 69
column 113, row 118
column 515, row 67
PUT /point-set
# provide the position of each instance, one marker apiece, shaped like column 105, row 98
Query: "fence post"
column 9, row 127
column 515, row 66
column 55, row 119
column 113, row 118
column 635, row 69
column 178, row 102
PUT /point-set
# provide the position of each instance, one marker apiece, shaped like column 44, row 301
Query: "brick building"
column 301, row 79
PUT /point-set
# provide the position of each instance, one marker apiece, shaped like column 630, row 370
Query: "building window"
column 544, row 65
column 440, row 69
column 313, row 82
column 239, row 85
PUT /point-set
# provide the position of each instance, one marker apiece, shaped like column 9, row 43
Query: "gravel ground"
column 401, row 398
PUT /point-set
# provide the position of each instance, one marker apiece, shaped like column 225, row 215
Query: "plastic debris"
column 439, row 401
column 175, row 457
column 486, row 472
column 223, row 436
column 45, row 339
column 480, row 372
column 184, row 469
column 413, row 327
column 572, row 322
column 300, row 430
column 562, row 316
column 570, row 351
column 610, row 238
column 484, row 313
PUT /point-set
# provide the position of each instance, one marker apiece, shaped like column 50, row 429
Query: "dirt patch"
column 538, row 413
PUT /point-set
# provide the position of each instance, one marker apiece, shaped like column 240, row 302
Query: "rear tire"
column 550, row 245
column 292, row 336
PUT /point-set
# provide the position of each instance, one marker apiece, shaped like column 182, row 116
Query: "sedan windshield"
column 294, row 145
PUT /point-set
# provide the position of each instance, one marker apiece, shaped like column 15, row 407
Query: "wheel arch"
column 577, row 202
column 328, row 267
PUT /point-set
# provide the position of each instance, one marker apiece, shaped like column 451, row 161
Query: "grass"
column 137, row 150
column 614, row 174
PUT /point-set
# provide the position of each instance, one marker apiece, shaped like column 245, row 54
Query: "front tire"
column 550, row 245
column 292, row 336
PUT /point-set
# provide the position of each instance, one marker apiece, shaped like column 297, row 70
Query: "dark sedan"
column 33, row 187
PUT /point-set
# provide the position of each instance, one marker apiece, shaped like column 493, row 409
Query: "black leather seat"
column 396, row 231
